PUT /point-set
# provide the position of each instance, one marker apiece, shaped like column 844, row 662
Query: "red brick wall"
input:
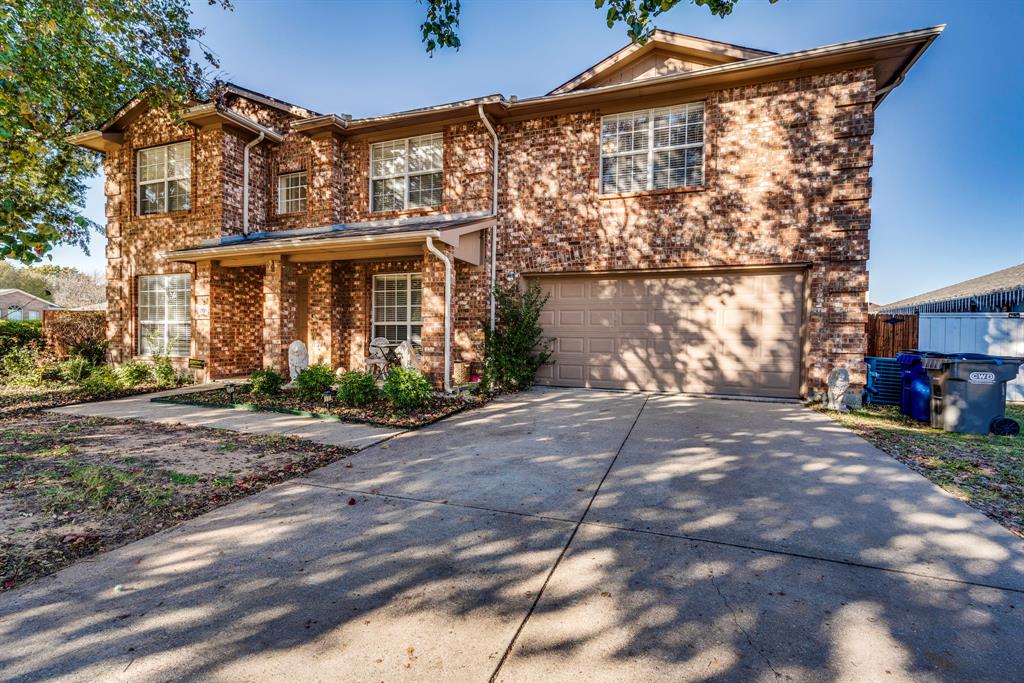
column 236, row 321
column 787, row 167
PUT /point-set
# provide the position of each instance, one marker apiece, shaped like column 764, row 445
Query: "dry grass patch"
column 74, row 486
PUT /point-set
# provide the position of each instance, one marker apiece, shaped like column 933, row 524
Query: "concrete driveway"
column 556, row 535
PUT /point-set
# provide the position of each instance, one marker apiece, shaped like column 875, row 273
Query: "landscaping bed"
column 16, row 399
column 377, row 412
column 75, row 486
column 985, row 471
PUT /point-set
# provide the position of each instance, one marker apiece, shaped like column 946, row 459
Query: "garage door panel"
column 737, row 334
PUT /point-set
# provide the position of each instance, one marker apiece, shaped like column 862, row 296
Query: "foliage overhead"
column 67, row 66
column 440, row 29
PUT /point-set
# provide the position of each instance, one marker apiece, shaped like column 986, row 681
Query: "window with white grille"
column 406, row 174
column 165, row 178
column 653, row 149
column 165, row 316
column 291, row 192
column 397, row 312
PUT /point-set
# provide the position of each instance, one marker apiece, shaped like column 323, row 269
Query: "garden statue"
column 298, row 359
column 838, row 383
column 407, row 354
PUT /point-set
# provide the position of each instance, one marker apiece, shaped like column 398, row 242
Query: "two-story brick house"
column 698, row 211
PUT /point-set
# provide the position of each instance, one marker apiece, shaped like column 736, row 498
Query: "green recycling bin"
column 969, row 393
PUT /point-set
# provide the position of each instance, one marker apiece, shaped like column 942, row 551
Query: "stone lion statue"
column 298, row 358
column 838, row 383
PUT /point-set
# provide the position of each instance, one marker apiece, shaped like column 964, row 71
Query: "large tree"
column 66, row 66
column 440, row 27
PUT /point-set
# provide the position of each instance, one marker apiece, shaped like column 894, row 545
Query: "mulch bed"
column 985, row 471
column 376, row 413
column 14, row 400
column 71, row 486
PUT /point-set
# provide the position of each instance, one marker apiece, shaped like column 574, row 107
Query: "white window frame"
column 406, row 174
column 166, row 321
column 165, row 180
column 34, row 315
column 651, row 149
column 283, row 201
column 409, row 323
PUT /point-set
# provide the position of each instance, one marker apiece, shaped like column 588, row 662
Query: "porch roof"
column 342, row 241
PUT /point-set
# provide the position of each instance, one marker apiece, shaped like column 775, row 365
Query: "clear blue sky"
column 949, row 165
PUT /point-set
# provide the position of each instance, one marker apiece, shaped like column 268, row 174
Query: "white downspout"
column 245, row 182
column 447, row 312
column 494, row 208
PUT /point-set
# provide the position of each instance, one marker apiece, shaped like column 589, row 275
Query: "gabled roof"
column 681, row 53
column 1008, row 280
column 13, row 290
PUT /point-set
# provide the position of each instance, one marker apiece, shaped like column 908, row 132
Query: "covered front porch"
column 335, row 289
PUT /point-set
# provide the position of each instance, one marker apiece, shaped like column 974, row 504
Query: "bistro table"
column 391, row 358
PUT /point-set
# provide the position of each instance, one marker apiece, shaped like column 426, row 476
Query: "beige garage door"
column 711, row 333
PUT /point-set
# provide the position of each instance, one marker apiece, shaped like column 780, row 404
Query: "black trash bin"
column 969, row 393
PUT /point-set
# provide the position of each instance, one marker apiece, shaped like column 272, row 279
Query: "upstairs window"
column 406, row 174
column 165, row 317
column 165, row 178
column 291, row 192
column 654, row 149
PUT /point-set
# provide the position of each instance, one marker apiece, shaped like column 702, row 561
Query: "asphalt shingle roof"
column 1000, row 281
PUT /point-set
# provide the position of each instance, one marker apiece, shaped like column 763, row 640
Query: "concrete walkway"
column 556, row 535
column 329, row 432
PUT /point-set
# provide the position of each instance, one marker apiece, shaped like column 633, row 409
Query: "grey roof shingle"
column 1007, row 279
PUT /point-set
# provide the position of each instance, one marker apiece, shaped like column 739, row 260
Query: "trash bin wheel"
column 1004, row 426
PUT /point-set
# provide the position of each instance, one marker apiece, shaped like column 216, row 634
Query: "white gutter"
column 245, row 181
column 447, row 312
column 494, row 209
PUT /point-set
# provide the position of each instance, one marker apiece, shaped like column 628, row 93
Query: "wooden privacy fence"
column 888, row 334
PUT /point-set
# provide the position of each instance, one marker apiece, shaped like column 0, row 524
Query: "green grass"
column 184, row 479
column 985, row 470
column 226, row 480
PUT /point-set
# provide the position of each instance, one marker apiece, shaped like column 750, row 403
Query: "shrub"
column 164, row 372
column 266, row 382
column 103, row 379
column 76, row 369
column 407, row 389
column 357, row 388
column 517, row 348
column 92, row 350
column 20, row 365
column 311, row 383
column 133, row 373
column 17, row 334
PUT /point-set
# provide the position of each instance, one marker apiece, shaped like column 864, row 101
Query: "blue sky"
column 948, row 198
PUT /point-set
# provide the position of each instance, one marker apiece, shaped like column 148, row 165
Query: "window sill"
column 419, row 211
column 162, row 214
column 653, row 193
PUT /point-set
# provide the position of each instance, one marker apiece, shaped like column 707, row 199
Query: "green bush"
column 311, row 383
column 407, row 389
column 20, row 365
column 95, row 351
column 357, row 388
column 76, row 369
column 103, row 379
column 164, row 372
column 17, row 334
column 133, row 373
column 266, row 382
column 517, row 348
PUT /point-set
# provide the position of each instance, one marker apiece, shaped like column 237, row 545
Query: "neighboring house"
column 16, row 304
column 698, row 212
column 998, row 292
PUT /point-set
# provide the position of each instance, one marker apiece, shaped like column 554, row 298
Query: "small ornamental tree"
column 517, row 348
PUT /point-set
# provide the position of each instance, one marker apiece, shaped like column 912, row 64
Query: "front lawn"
column 377, row 412
column 16, row 399
column 987, row 471
column 74, row 486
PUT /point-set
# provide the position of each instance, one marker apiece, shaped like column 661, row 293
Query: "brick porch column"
column 279, row 284
column 432, row 307
column 201, row 324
